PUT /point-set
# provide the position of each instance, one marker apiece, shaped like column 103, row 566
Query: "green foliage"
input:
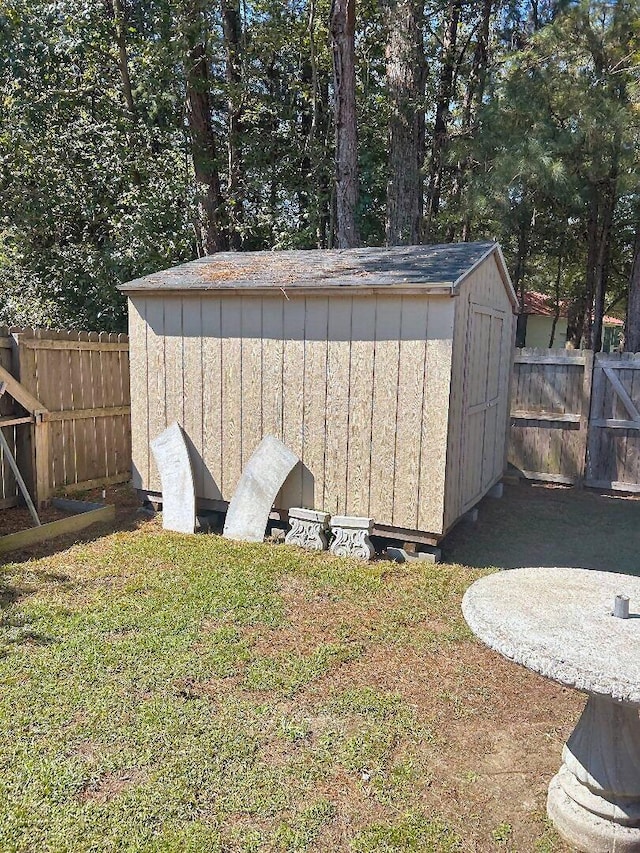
column 95, row 190
column 415, row 832
column 303, row 831
column 90, row 195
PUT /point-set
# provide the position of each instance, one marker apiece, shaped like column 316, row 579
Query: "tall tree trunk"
column 123, row 58
column 405, row 69
column 575, row 321
column 556, row 296
column 519, row 273
column 316, row 180
column 440, row 140
column 610, row 198
column 203, row 144
column 590, row 271
column 307, row 108
column 326, row 186
column 472, row 104
column 274, row 149
column 632, row 330
column 519, row 279
column 232, row 33
column 342, row 29
column 598, row 252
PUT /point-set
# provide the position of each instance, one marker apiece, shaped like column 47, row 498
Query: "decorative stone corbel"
column 178, row 490
column 308, row 528
column 352, row 537
column 261, row 480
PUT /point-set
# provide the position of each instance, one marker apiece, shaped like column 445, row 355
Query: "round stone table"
column 560, row 623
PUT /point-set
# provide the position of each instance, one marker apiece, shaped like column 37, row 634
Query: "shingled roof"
column 439, row 268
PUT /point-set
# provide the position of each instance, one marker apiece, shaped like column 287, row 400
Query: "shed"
column 386, row 370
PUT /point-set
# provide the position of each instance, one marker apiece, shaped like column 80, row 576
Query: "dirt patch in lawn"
column 497, row 734
column 490, row 733
column 110, row 786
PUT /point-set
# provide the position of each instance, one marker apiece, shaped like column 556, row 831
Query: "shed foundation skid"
column 385, row 371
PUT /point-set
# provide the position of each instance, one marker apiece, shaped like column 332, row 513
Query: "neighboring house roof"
column 543, row 305
column 436, row 269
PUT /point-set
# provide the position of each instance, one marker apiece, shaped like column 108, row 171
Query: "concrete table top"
column 559, row 623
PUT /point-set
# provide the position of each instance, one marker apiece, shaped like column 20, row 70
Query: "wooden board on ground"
column 73, row 524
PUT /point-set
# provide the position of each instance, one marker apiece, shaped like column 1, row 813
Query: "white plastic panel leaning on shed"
column 385, row 370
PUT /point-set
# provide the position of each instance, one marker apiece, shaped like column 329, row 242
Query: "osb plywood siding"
column 357, row 386
column 481, row 370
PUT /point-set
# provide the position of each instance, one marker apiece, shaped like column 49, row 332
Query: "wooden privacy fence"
column 66, row 415
column 575, row 420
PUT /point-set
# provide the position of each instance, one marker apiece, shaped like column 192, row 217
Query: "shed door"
column 485, row 363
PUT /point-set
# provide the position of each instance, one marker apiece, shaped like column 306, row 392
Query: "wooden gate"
column 550, row 397
column 613, row 451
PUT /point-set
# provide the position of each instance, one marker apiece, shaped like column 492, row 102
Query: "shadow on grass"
column 11, row 593
column 541, row 525
column 15, row 629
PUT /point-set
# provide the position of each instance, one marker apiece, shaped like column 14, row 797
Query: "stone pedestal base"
column 308, row 529
column 594, row 799
column 352, row 537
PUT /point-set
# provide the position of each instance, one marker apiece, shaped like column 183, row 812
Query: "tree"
column 123, row 57
column 440, row 133
column 405, row 77
column 232, row 29
column 342, row 28
column 472, row 102
column 211, row 232
column 90, row 195
column 632, row 326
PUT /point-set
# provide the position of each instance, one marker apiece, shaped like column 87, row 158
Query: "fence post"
column 42, row 461
column 33, row 448
column 585, row 414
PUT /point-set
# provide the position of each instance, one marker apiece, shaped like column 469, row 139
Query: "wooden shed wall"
column 357, row 386
column 480, row 384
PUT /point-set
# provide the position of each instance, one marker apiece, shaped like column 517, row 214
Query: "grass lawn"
column 170, row 693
